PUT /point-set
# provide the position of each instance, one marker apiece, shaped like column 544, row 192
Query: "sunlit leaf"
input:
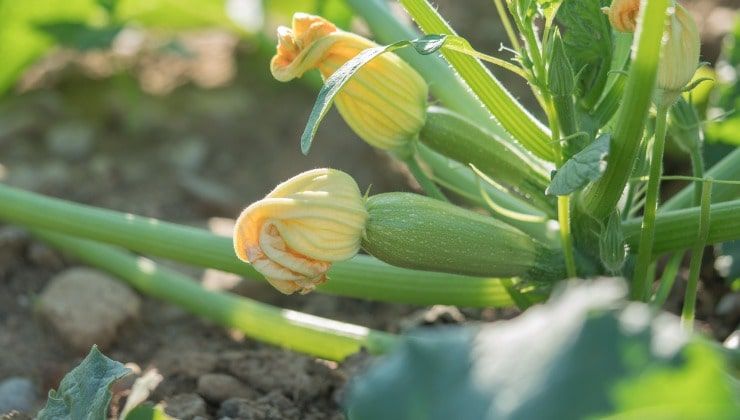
column 84, row 392
column 585, row 166
column 586, row 354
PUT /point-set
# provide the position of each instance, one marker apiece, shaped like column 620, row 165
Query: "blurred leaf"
column 80, row 36
column 337, row 11
column 147, row 412
column 425, row 45
column 586, row 354
column 585, row 166
column 588, row 42
column 108, row 5
column 176, row 14
column 84, row 392
column 728, row 130
column 20, row 40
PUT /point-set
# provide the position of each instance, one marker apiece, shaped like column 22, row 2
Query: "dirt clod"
column 85, row 307
column 186, row 407
column 217, row 387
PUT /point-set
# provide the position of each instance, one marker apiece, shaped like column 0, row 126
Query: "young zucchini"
column 413, row 231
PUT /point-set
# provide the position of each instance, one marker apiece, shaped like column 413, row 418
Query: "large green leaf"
column 84, row 392
column 586, row 354
column 588, row 41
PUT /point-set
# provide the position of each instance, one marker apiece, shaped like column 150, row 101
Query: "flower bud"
column 384, row 102
column 680, row 56
column 293, row 235
column 623, row 14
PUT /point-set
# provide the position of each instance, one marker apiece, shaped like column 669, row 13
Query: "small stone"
column 17, row 393
column 729, row 305
column 271, row 406
column 86, row 307
column 436, row 315
column 192, row 363
column 217, row 387
column 43, row 256
column 186, row 407
column 187, row 154
column 71, row 141
column 210, row 194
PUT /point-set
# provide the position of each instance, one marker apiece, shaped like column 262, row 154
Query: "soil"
column 185, row 153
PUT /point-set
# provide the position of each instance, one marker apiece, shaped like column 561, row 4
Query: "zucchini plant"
column 512, row 204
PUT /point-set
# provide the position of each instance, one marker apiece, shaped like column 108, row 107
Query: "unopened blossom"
column 384, row 102
column 294, row 234
column 623, row 14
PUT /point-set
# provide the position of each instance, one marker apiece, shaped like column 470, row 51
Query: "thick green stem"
column 677, row 230
column 505, row 108
column 601, row 198
column 640, row 282
column 460, row 139
column 443, row 82
column 689, row 303
column 362, row 276
column 564, row 220
column 299, row 331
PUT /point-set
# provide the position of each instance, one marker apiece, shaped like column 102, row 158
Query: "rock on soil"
column 16, row 394
column 186, row 407
column 86, row 307
column 217, row 387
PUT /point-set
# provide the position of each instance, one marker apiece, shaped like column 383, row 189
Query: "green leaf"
column 80, row 36
column 585, row 166
column 585, row 354
column 588, row 42
column 21, row 43
column 425, row 45
column 84, row 392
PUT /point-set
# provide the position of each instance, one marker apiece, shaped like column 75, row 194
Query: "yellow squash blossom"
column 680, row 57
column 680, row 54
column 293, row 235
column 623, row 14
column 384, row 102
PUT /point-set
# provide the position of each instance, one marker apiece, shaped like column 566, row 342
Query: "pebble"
column 271, row 406
column 188, row 154
column 217, row 387
column 86, row 306
column 72, row 141
column 43, row 256
column 17, row 393
column 210, row 194
column 186, row 406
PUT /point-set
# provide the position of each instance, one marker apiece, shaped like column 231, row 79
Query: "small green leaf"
column 585, row 166
column 80, row 36
column 425, row 45
column 84, row 392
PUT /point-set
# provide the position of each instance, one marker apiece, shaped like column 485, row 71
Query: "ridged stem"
column 640, row 282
